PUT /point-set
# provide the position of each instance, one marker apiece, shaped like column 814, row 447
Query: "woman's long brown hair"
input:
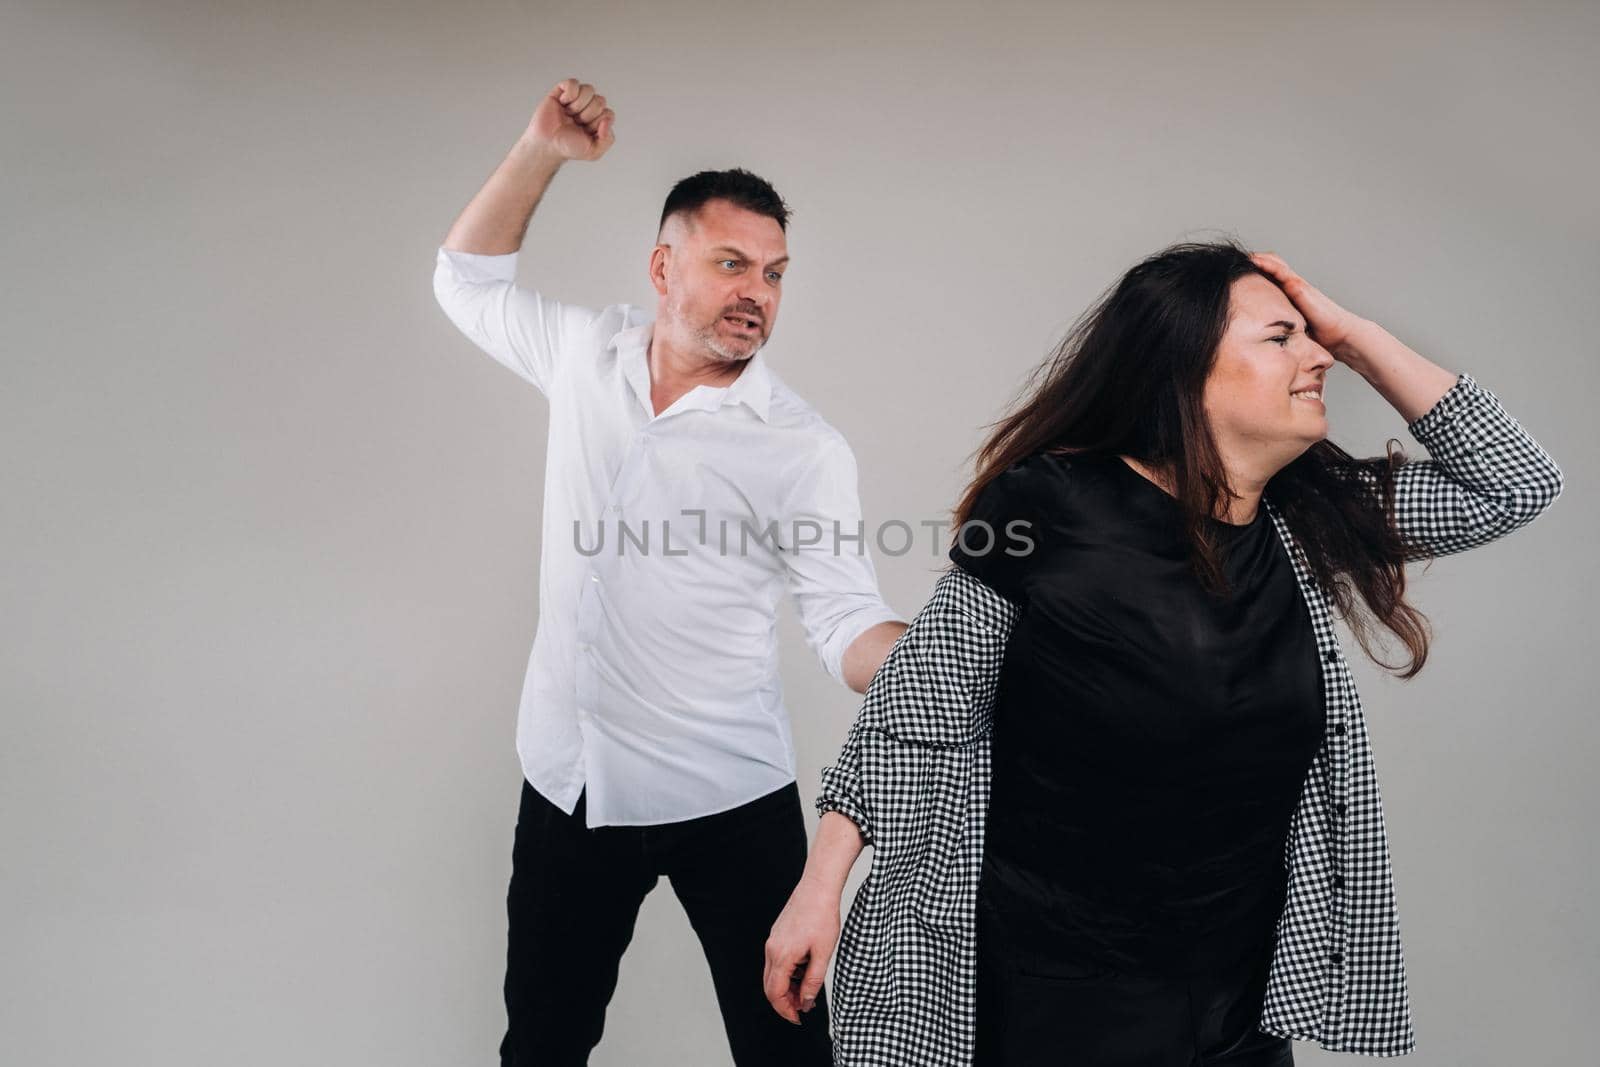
column 1129, row 379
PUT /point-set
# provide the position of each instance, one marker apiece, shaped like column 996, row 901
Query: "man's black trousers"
column 575, row 893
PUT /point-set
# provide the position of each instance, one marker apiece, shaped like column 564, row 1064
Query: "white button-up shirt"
column 668, row 542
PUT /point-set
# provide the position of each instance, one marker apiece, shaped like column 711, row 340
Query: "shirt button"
column 595, row 578
column 1336, row 957
column 1338, row 809
column 1328, row 657
column 1338, row 728
column 1338, row 881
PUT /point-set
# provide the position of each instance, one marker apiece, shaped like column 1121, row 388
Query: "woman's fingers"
column 811, row 981
column 1328, row 322
column 777, row 981
column 1300, row 291
column 1274, row 265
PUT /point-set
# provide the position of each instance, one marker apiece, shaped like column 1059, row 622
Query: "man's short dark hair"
column 738, row 186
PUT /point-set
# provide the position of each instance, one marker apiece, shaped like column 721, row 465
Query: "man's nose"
column 753, row 291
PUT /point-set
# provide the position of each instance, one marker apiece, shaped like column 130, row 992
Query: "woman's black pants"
column 1033, row 1013
column 575, row 893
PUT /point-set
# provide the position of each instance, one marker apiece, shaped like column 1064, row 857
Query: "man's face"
column 720, row 276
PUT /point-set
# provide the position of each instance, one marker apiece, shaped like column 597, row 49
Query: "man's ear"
column 660, row 256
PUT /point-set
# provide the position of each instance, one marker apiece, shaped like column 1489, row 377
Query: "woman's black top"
column 1150, row 738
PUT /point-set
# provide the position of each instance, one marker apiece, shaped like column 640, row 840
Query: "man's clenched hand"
column 572, row 122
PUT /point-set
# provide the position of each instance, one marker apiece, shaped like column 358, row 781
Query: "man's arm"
column 571, row 122
column 830, row 573
column 867, row 653
column 475, row 272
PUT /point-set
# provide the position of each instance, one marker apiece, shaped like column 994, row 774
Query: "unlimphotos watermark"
column 894, row 537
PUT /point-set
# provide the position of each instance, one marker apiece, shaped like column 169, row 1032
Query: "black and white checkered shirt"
column 914, row 776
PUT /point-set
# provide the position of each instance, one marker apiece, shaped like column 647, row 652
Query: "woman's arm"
column 807, row 929
column 935, row 689
column 1410, row 382
column 803, row 937
column 1485, row 477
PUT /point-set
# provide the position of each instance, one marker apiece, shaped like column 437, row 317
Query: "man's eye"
column 730, row 263
column 1282, row 340
column 774, row 276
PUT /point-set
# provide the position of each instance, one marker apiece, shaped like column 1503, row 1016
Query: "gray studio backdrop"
column 271, row 526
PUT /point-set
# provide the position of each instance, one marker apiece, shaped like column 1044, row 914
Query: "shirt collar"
column 753, row 386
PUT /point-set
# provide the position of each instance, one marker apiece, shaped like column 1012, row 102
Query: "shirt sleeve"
column 1485, row 476
column 829, row 569
column 522, row 329
column 1000, row 539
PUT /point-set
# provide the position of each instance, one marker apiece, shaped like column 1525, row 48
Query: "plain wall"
column 271, row 526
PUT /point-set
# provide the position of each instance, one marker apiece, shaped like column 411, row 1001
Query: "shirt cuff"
column 1455, row 398
column 847, row 807
column 858, row 623
column 476, row 267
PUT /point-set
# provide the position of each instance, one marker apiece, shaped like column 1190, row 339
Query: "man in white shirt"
column 686, row 487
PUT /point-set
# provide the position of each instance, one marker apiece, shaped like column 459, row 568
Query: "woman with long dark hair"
column 1116, row 776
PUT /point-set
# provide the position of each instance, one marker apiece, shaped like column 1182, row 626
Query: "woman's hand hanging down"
column 803, row 938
